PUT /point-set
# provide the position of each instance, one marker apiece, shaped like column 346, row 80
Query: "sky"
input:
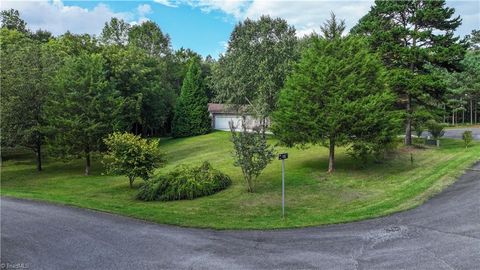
column 204, row 25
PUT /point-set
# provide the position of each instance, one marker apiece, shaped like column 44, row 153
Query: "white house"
column 222, row 114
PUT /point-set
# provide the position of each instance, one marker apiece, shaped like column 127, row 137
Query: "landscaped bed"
column 312, row 196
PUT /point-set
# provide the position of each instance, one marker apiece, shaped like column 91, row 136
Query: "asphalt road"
column 457, row 133
column 444, row 233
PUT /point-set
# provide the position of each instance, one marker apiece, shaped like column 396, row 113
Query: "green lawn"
column 312, row 196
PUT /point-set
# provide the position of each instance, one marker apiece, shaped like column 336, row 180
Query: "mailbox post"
column 282, row 157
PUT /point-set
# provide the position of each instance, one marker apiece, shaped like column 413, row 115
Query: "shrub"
column 436, row 129
column 132, row 156
column 185, row 183
column 251, row 152
column 467, row 137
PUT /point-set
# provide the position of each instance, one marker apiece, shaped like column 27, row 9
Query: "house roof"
column 225, row 108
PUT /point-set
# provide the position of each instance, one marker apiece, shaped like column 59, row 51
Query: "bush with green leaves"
column 436, row 129
column 185, row 183
column 467, row 137
column 251, row 152
column 132, row 156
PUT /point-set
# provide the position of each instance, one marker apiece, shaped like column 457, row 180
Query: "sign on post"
column 282, row 157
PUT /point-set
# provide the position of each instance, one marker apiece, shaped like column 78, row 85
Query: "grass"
column 312, row 196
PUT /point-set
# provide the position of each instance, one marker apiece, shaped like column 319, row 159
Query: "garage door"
column 221, row 121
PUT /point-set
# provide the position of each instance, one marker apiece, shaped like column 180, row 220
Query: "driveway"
column 444, row 233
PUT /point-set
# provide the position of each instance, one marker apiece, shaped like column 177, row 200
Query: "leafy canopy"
column 251, row 152
column 336, row 95
column 130, row 155
column 83, row 108
column 253, row 70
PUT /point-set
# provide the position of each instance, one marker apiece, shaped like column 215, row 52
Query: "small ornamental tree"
column 467, row 137
column 191, row 111
column 132, row 156
column 251, row 152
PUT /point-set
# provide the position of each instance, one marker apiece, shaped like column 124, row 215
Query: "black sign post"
column 282, row 157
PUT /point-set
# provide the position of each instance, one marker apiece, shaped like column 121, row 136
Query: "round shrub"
column 185, row 183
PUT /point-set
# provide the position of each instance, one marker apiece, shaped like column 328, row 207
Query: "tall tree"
column 83, row 108
column 191, row 111
column 259, row 56
column 27, row 66
column 412, row 35
column 11, row 20
column 333, row 28
column 336, row 95
column 474, row 40
column 144, row 84
column 115, row 32
column 149, row 37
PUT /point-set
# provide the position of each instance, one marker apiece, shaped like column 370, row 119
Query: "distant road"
column 443, row 233
column 457, row 133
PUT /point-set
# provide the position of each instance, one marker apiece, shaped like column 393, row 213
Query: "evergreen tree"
column 411, row 36
column 335, row 96
column 191, row 111
column 333, row 28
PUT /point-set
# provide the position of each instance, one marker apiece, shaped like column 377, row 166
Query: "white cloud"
column 58, row 18
column 144, row 9
column 236, row 8
column 306, row 15
column 167, row 3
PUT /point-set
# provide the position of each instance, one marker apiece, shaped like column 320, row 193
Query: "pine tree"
column 412, row 36
column 191, row 110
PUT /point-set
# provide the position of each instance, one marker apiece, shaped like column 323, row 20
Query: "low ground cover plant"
column 185, row 183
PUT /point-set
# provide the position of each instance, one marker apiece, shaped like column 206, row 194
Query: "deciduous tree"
column 259, row 56
column 83, row 108
column 130, row 155
column 251, row 152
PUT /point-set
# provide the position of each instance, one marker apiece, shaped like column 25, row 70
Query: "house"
column 222, row 114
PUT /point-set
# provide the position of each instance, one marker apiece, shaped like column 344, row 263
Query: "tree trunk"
column 444, row 117
column 476, row 112
column 130, row 179
column 408, row 128
column 38, row 152
column 87, row 159
column 331, row 156
column 471, row 111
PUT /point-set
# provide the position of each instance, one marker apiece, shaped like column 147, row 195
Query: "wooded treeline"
column 70, row 91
